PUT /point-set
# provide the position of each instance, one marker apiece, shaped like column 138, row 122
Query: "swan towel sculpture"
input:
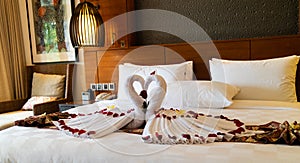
column 110, row 119
column 164, row 126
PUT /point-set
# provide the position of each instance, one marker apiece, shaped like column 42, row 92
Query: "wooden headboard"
column 101, row 65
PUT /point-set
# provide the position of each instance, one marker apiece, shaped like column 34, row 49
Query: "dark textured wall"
column 225, row 19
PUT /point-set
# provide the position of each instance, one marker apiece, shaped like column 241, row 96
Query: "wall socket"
column 102, row 86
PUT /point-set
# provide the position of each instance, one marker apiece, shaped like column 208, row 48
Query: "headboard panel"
column 245, row 49
column 225, row 49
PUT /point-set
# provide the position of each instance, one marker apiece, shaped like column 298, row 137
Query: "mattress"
column 26, row 144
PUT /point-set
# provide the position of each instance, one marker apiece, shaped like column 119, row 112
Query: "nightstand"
column 69, row 105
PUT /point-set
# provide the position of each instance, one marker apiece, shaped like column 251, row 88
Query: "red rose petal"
column 172, row 137
column 159, row 137
column 144, row 94
column 81, row 132
column 109, row 113
column 238, row 123
column 187, row 136
column 212, row 135
column 61, row 122
column 146, row 137
column 73, row 115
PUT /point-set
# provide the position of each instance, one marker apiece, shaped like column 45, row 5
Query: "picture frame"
column 49, row 30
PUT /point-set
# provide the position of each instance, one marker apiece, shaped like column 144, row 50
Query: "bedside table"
column 69, row 105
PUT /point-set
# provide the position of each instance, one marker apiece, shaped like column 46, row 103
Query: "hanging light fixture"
column 86, row 26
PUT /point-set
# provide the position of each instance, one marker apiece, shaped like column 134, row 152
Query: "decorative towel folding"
column 107, row 120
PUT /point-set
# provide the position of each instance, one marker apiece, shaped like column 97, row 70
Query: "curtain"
column 12, row 53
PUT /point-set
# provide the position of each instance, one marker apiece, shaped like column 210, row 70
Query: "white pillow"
column 270, row 79
column 199, row 94
column 188, row 65
column 172, row 72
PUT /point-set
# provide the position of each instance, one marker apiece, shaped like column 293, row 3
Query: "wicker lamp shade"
column 86, row 26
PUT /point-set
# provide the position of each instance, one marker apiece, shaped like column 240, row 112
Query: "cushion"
column 172, row 72
column 199, row 94
column 270, row 79
column 48, row 85
column 36, row 100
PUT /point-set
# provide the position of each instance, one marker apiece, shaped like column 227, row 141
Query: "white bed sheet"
column 25, row 144
column 8, row 119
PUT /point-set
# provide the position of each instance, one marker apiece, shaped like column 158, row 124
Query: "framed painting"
column 49, row 30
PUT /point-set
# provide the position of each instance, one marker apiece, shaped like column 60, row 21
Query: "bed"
column 28, row 144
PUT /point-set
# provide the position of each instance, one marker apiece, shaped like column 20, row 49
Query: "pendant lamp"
column 86, row 26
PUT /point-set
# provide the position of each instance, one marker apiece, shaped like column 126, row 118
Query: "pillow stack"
column 182, row 91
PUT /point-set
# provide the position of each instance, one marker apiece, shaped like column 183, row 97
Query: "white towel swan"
column 156, row 95
column 137, row 100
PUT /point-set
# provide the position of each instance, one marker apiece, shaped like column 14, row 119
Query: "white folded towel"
column 171, row 126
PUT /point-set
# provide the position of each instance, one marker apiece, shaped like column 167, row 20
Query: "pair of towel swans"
column 164, row 126
column 148, row 105
column 105, row 121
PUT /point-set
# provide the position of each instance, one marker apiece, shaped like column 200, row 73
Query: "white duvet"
column 25, row 144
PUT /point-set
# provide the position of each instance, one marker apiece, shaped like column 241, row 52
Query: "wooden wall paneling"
column 184, row 52
column 224, row 49
column 237, row 50
column 108, row 61
column 107, row 66
column 145, row 55
column 90, row 65
column 275, row 47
